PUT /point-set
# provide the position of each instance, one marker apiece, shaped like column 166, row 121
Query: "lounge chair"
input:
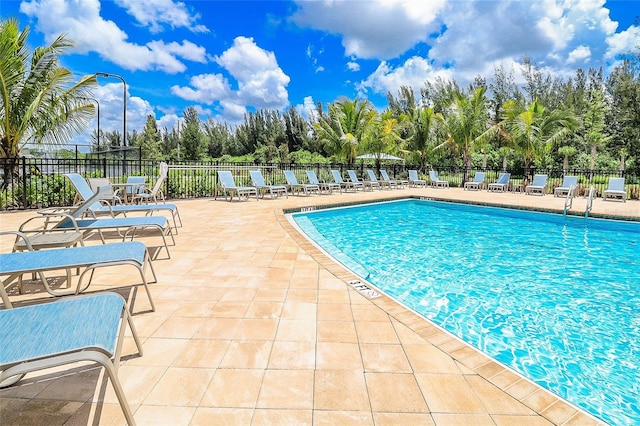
column 346, row 185
column 365, row 184
column 229, row 187
column 324, row 186
column 501, row 185
column 615, row 190
column 569, row 184
column 84, row 192
column 398, row 183
column 538, row 186
column 62, row 220
column 145, row 194
column 436, row 181
column 14, row 265
column 477, row 183
column 414, row 180
column 87, row 328
column 380, row 183
column 258, row 182
column 296, row 187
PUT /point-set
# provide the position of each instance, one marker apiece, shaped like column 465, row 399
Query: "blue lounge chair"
column 615, row 190
column 258, row 182
column 414, row 180
column 324, row 186
column 569, row 185
column 501, row 185
column 84, row 191
column 374, row 180
column 477, row 183
column 145, row 194
column 365, row 184
column 346, row 185
column 435, row 180
column 65, row 220
column 229, row 187
column 398, row 183
column 296, row 187
column 14, row 265
column 87, row 328
column 538, row 186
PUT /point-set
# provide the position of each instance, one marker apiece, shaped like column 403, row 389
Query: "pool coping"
column 547, row 404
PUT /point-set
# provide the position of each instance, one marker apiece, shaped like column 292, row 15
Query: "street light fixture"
column 98, row 104
column 124, row 103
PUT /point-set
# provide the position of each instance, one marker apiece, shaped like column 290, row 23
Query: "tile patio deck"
column 255, row 326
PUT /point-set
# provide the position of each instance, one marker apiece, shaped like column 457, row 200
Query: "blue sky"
column 228, row 57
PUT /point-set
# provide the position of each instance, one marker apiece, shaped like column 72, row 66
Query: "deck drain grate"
column 364, row 289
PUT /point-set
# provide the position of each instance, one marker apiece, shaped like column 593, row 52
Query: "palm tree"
column 566, row 151
column 423, row 125
column 383, row 136
column 344, row 126
column 40, row 103
column 533, row 129
column 466, row 123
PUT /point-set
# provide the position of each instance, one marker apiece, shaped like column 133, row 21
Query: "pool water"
column 556, row 299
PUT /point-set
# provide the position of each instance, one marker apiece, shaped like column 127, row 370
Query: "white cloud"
column 353, row 66
column 156, row 13
column 205, row 88
column 414, row 72
column 261, row 82
column 320, row 68
column 623, row 42
column 372, row 29
column 308, row 108
column 82, row 22
column 579, row 54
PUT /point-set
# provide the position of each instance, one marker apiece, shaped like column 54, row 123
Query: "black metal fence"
column 29, row 183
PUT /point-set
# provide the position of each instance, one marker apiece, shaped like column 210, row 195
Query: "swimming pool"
column 556, row 299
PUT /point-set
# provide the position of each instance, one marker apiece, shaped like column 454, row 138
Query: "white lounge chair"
column 436, row 181
column 87, row 328
column 569, row 184
column 414, row 180
column 297, row 187
column 84, row 191
column 258, row 182
column 615, row 190
column 346, row 185
column 538, row 186
column 324, row 186
column 501, row 185
column 145, row 194
column 14, row 265
column 365, row 184
column 229, row 187
column 380, row 183
column 398, row 183
column 477, row 183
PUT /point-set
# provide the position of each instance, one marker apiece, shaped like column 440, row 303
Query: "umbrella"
column 382, row 156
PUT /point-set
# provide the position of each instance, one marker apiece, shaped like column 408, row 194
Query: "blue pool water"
column 556, row 299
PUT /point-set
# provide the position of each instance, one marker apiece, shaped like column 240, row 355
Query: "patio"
column 254, row 325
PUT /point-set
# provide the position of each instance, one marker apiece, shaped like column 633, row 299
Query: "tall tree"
column 422, row 133
column 150, row 141
column 383, row 136
column 466, row 123
column 533, row 129
column 40, row 103
column 344, row 125
column 192, row 139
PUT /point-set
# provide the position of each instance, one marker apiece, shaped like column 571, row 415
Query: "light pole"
column 97, row 103
column 124, row 104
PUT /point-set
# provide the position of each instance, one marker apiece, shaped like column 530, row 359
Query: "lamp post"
column 98, row 104
column 124, row 104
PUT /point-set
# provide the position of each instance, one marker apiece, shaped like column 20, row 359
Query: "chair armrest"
column 19, row 236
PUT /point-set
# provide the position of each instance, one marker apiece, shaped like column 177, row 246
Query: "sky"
column 226, row 58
